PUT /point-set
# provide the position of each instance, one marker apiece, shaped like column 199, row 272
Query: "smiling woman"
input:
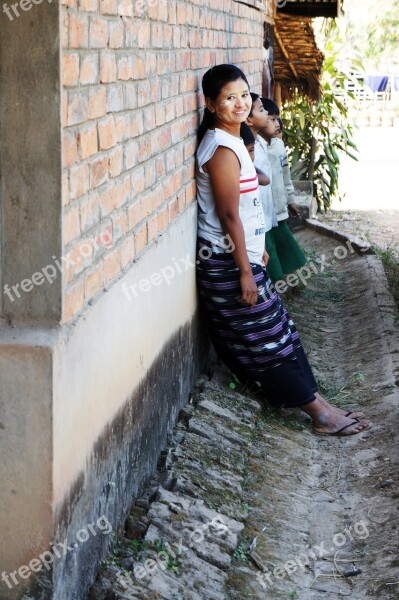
column 249, row 326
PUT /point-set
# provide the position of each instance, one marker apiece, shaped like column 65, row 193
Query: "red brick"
column 138, row 68
column 181, row 198
column 181, row 14
column 152, row 227
column 111, row 199
column 122, row 124
column 136, row 124
column 79, row 181
column 125, row 68
column 88, row 141
column 89, row 212
column 98, row 172
column 135, row 214
column 131, row 155
column 144, row 35
column 78, row 259
column 143, row 93
column 70, row 69
column 65, row 189
column 160, row 115
column 140, row 239
column 107, row 68
column 127, row 189
column 116, row 31
column 162, row 220
column 78, row 31
column 191, row 192
column 130, row 95
column 69, row 149
column 73, row 300
column 94, row 282
column 115, row 98
column 109, row 7
column 64, row 108
column 125, row 8
column 157, row 35
column 144, row 149
column 70, row 224
column 69, row 3
column 119, row 225
column 138, row 180
column 150, row 63
column 107, row 133
column 88, row 5
column 112, row 264
column 115, row 162
column 97, row 103
column 98, row 32
column 77, row 108
column 160, row 167
column 89, row 69
column 103, row 240
column 127, row 251
column 64, row 30
column 173, row 209
column 150, row 175
column 149, row 118
column 172, row 18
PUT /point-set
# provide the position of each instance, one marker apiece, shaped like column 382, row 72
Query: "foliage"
column 316, row 133
column 372, row 29
column 390, row 261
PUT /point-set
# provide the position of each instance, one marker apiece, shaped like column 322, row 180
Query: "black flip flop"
column 339, row 432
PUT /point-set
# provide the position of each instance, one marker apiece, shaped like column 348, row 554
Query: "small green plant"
column 390, row 263
column 240, row 554
column 317, row 132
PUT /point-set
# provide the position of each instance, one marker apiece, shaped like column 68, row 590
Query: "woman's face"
column 233, row 104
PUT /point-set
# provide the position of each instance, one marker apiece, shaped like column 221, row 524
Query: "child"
column 285, row 254
column 249, row 142
column 256, row 120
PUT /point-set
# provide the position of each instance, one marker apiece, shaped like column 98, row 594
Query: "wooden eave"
column 297, row 59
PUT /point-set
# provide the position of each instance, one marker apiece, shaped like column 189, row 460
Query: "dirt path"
column 316, row 506
column 379, row 227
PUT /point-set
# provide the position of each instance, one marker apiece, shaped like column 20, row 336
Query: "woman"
column 249, row 326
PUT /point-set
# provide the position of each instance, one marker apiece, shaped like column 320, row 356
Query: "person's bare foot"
column 340, row 411
column 326, row 421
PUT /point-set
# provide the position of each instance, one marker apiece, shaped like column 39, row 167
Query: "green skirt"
column 285, row 254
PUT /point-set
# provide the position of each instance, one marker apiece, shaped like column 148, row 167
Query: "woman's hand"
column 249, row 290
column 265, row 258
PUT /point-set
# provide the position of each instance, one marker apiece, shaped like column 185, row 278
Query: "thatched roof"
column 297, row 59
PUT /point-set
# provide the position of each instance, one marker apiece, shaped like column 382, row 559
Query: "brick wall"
column 131, row 71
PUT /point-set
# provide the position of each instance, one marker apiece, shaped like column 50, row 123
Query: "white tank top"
column 250, row 207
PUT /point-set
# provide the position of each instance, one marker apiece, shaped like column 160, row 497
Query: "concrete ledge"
column 359, row 245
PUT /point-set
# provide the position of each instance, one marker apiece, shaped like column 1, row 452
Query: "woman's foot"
column 340, row 411
column 326, row 421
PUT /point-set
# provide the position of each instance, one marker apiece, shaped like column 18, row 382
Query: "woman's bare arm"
column 224, row 171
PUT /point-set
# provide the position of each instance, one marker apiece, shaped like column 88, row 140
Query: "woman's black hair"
column 270, row 106
column 212, row 83
column 254, row 99
column 246, row 134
